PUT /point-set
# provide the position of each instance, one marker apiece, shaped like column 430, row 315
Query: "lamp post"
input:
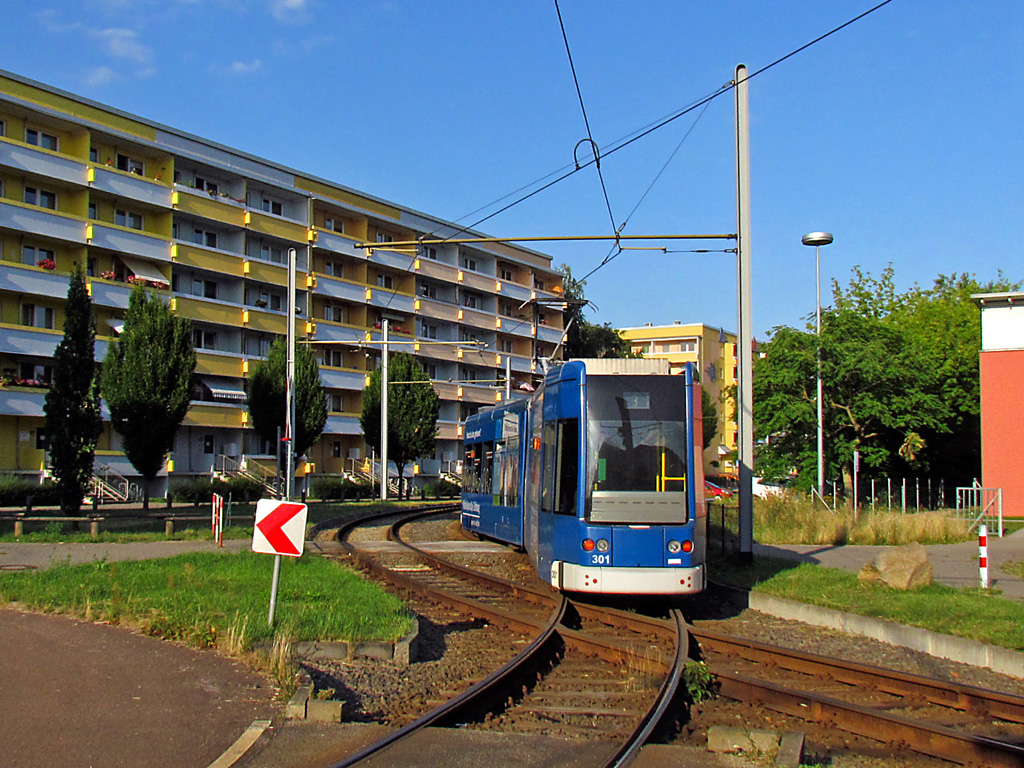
column 818, row 239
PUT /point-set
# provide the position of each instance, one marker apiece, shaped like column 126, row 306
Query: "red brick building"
column 1002, row 396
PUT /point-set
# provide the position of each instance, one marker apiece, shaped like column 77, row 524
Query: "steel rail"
column 965, row 698
column 491, row 689
column 926, row 738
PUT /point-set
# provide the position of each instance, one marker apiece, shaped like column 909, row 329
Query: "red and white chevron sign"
column 280, row 527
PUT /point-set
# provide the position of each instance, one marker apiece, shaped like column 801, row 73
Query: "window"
column 465, row 335
column 508, row 275
column 272, row 253
column 40, row 139
column 430, row 252
column 468, row 263
column 207, row 444
column 506, row 308
column 538, row 284
column 275, row 207
column 34, row 372
column 334, row 313
column 206, row 186
column 335, row 403
column 334, row 358
column 470, row 300
column 386, row 281
column 506, row 345
column 90, row 266
column 429, row 291
column 3, row 128
column 92, row 211
column 431, row 370
column 41, row 444
column 336, row 449
column 205, row 288
column 204, row 237
column 31, row 255
column 334, row 268
column 384, row 237
column 335, row 225
column 428, row 330
column 203, row 339
column 41, row 197
column 130, row 165
column 36, row 316
column 94, row 155
column 128, row 219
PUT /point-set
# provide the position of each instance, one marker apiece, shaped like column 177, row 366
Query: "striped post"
column 983, row 554
column 217, row 519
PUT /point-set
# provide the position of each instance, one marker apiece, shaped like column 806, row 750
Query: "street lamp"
column 818, row 239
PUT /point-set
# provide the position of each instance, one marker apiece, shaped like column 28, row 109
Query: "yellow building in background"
column 713, row 351
column 208, row 228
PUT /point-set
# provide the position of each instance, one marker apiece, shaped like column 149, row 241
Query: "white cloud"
column 124, row 44
column 99, row 76
column 290, row 10
column 241, row 68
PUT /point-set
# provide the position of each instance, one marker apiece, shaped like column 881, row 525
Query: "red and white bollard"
column 217, row 519
column 983, row 554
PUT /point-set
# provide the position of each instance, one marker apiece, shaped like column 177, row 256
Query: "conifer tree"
column 72, row 406
column 147, row 381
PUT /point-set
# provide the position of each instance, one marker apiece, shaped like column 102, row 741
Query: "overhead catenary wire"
column 586, row 122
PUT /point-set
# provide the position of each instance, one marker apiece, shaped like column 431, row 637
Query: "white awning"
column 117, row 325
column 222, row 393
column 144, row 269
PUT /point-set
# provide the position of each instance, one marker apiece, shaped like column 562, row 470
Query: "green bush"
column 14, row 492
column 441, row 489
column 339, row 489
column 200, row 490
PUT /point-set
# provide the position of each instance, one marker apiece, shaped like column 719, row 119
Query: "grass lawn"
column 970, row 613
column 216, row 600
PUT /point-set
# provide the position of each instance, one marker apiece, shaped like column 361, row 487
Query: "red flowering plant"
column 46, row 264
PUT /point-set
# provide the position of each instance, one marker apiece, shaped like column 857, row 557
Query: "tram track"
column 568, row 682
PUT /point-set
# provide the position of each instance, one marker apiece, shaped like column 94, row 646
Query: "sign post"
column 280, row 530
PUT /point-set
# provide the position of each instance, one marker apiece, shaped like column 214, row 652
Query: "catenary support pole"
column 744, row 353
column 384, row 411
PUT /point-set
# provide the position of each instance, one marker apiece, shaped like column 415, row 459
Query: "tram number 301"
column 600, row 559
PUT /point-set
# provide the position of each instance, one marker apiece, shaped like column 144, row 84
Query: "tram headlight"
column 674, row 546
column 603, row 545
column 588, row 545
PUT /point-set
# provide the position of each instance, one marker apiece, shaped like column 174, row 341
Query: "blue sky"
column 901, row 134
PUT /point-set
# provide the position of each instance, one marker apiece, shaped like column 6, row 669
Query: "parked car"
column 715, row 491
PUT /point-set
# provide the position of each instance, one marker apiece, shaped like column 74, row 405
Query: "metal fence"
column 979, row 505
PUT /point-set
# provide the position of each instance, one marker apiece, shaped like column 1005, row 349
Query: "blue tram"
column 597, row 475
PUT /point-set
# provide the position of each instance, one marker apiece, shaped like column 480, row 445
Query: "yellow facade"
column 713, row 353
column 130, row 202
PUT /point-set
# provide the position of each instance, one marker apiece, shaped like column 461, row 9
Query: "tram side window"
column 567, row 477
column 505, row 479
column 486, row 463
column 471, row 469
column 548, row 440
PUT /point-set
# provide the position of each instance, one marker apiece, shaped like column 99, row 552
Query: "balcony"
column 514, row 291
column 342, row 425
column 549, row 334
column 129, row 241
column 267, row 321
column 437, row 310
column 211, row 259
column 448, row 430
column 397, row 302
column 339, row 333
column 35, row 342
column 436, row 269
column 39, row 221
column 276, row 226
column 400, row 261
column 201, row 204
column 476, row 318
column 218, row 363
column 268, row 272
column 477, row 282
column 213, row 415
column 20, row 278
column 209, row 311
column 335, row 379
column 338, row 243
column 22, row 402
column 340, row 289
column 110, row 294
column 40, row 162
column 517, row 327
column 131, row 186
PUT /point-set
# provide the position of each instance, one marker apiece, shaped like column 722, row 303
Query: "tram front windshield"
column 636, row 429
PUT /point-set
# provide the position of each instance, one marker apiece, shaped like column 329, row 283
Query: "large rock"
column 904, row 567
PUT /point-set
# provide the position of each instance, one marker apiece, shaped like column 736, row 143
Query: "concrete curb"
column 971, row 652
column 401, row 652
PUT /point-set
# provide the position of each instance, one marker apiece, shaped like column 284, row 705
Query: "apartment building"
column 208, row 228
column 713, row 351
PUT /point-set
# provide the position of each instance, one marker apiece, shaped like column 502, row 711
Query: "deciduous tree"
column 147, row 379
column 413, row 407
column 266, row 390
column 72, row 406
